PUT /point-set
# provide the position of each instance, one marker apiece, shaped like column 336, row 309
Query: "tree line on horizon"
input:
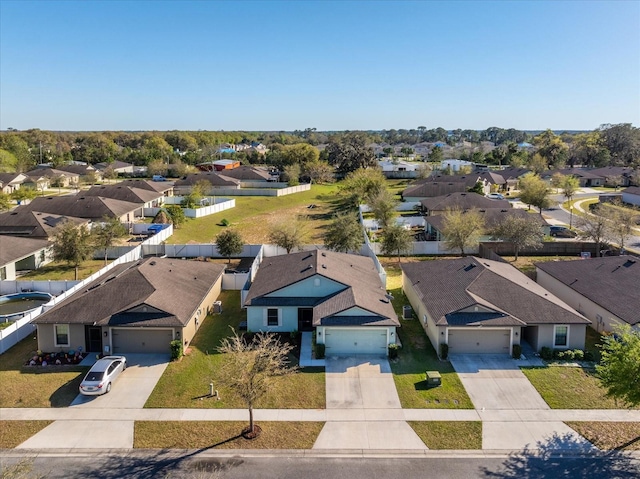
column 608, row 145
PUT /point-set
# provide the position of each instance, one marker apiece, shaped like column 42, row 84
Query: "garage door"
column 141, row 340
column 492, row 341
column 339, row 341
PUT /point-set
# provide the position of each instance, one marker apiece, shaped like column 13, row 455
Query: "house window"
column 561, row 336
column 61, row 332
column 272, row 317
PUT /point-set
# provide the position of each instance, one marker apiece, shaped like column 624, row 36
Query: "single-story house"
column 220, row 165
column 631, row 195
column 137, row 307
column 584, row 176
column 81, row 206
column 33, row 224
column 615, row 175
column 455, row 165
column 606, row 290
column 131, row 194
column 477, row 305
column 18, row 254
column 215, row 179
column 249, row 173
column 44, row 178
column 119, row 167
column 429, row 189
column 340, row 296
column 82, row 170
column 164, row 187
column 10, row 182
column 460, row 200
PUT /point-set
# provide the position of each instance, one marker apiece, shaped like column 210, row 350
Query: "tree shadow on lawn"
column 564, row 456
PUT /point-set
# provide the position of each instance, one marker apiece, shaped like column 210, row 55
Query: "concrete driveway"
column 496, row 382
column 364, row 387
column 131, row 390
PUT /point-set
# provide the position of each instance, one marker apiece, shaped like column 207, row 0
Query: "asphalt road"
column 158, row 465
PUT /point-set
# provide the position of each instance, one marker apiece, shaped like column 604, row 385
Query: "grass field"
column 610, row 435
column 449, row 434
column 14, row 433
column 57, row 271
column 185, row 383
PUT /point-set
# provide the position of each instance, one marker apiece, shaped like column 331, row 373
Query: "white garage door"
column 340, row 341
column 492, row 341
column 141, row 340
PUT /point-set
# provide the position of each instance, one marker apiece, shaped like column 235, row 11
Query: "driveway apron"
column 365, row 386
column 496, row 386
column 131, row 390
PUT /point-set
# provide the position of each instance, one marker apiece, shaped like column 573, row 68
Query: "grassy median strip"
column 610, row 435
column 185, row 383
column 223, row 435
column 36, row 386
column 14, row 433
column 449, row 434
column 418, row 356
column 566, row 387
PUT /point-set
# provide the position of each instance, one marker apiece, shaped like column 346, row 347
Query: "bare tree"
column 596, row 227
column 288, row 235
column 396, row 240
column 462, row 228
column 250, row 369
column 621, row 222
column 519, row 231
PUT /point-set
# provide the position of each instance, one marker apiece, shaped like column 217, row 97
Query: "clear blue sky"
column 262, row 65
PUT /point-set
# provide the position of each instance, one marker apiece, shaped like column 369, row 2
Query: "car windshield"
column 94, row 376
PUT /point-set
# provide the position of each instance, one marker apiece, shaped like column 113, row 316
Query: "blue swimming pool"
column 15, row 306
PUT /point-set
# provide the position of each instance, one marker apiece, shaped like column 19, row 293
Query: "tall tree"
column 552, row 148
column 250, row 369
column 462, row 228
column 344, row 233
column 619, row 368
column 5, row 201
column 349, row 151
column 229, row 243
column 623, row 142
column 383, row 206
column 595, row 226
column 176, row 213
column 72, row 244
column 106, row 233
column 519, row 231
column 621, row 222
column 436, row 155
column 292, row 173
column 534, row 191
column 288, row 235
column 362, row 185
column 319, row 171
column 396, row 240
column 569, row 186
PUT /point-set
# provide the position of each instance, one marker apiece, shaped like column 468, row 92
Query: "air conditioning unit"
column 217, row 306
column 407, row 312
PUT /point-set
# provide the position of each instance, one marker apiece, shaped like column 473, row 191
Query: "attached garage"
column 129, row 340
column 487, row 341
column 350, row 341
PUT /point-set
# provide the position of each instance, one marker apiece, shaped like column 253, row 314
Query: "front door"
column 305, row 319
column 93, row 336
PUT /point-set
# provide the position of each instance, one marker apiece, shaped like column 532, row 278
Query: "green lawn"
column 417, row 356
column 223, row 435
column 564, row 387
column 57, row 271
column 14, row 433
column 254, row 216
column 36, row 386
column 185, row 383
column 449, row 434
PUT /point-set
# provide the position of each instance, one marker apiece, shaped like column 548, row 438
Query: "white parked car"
column 102, row 374
column 495, row 196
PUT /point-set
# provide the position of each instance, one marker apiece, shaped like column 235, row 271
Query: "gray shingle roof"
column 632, row 190
column 362, row 285
column 464, row 201
column 159, row 186
column 613, row 282
column 171, row 289
column 14, row 249
column 80, row 206
column 34, row 224
column 492, row 217
column 247, row 173
column 212, row 177
column 448, row 286
column 431, row 189
column 123, row 193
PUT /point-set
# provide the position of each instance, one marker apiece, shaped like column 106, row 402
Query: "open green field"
column 185, row 383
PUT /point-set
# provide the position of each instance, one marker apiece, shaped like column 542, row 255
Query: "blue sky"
column 263, row 65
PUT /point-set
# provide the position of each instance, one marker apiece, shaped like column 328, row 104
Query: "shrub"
column 517, row 351
column 444, row 351
column 578, row 354
column 319, row 351
column 293, row 334
column 224, row 222
column 588, row 356
column 393, row 350
column 176, row 349
column 546, row 353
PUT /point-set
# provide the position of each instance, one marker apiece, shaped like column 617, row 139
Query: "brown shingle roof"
column 123, row 193
column 80, row 206
column 492, row 217
column 211, row 176
column 434, row 188
column 449, row 285
column 159, row 186
column 170, row 289
column 247, row 173
column 463, row 201
column 613, row 282
column 14, row 249
column 33, row 223
column 362, row 285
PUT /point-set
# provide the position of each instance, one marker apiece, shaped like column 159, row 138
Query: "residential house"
column 430, row 188
column 249, row 174
column 215, row 179
column 338, row 295
column 614, row 175
column 462, row 201
column 455, row 165
column 131, row 194
column 398, row 168
column 605, row 290
column 33, row 224
column 164, row 187
column 631, row 195
column 10, row 182
column 80, row 206
column 584, row 176
column 119, row 167
column 44, row 178
column 137, row 307
column 17, row 254
column 85, row 171
column 477, row 305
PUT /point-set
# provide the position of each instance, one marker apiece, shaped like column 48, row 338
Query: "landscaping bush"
column 517, row 351
column 319, row 351
column 578, row 354
column 444, row 351
column 546, row 353
column 176, row 349
column 224, row 222
column 393, row 350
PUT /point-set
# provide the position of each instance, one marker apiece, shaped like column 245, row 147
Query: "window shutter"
column 264, row 316
column 279, row 317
